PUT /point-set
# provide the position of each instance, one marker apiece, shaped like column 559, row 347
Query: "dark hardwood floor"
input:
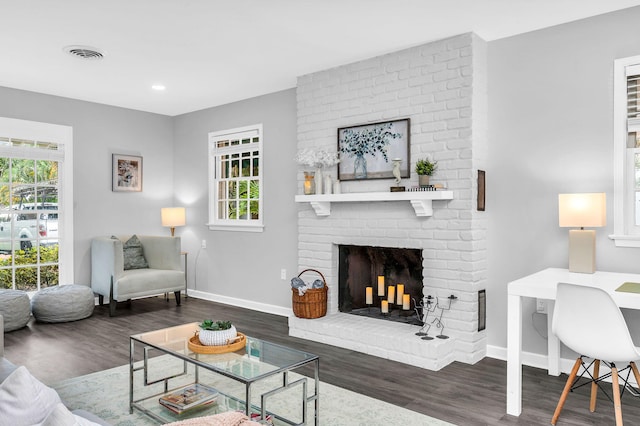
column 459, row 393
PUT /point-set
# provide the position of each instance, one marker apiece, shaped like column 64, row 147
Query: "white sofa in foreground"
column 26, row 400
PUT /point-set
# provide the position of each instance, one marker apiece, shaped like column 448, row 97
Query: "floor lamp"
column 582, row 211
column 172, row 217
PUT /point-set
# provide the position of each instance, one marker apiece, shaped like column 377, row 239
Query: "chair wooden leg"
column 636, row 374
column 594, row 385
column 177, row 294
column 567, row 388
column 617, row 405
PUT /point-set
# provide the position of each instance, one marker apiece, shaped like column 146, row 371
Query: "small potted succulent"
column 424, row 169
column 216, row 333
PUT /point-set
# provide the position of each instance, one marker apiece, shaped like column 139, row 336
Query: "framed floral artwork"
column 126, row 173
column 368, row 151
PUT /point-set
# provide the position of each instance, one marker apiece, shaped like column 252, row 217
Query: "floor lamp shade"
column 582, row 211
column 173, row 216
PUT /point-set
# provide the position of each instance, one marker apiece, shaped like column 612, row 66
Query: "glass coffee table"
column 246, row 379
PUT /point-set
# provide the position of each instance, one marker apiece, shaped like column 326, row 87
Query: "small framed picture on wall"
column 481, row 189
column 127, row 173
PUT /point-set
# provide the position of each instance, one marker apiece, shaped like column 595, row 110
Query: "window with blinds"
column 235, row 179
column 632, row 154
column 626, row 152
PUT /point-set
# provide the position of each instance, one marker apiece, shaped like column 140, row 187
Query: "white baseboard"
column 540, row 361
column 249, row 304
column 528, row 358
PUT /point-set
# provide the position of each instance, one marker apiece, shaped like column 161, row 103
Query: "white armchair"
column 110, row 279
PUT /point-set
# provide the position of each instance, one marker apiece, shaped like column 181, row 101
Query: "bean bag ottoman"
column 63, row 303
column 14, row 307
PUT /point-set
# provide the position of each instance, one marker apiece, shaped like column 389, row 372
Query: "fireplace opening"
column 360, row 267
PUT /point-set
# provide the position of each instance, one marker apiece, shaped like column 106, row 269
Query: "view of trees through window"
column 28, row 223
column 236, row 181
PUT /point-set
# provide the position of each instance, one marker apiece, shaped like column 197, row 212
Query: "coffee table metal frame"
column 192, row 358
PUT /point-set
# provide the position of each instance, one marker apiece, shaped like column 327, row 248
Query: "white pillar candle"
column 380, row 285
column 406, row 302
column 327, row 184
column 384, row 307
column 369, row 296
column 400, row 292
column 392, row 294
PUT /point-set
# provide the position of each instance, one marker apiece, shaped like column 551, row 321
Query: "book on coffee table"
column 189, row 397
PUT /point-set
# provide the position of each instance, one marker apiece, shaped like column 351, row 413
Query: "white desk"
column 543, row 285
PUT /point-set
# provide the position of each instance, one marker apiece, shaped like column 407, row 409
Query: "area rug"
column 106, row 394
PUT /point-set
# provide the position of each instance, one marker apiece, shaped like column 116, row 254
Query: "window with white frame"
column 627, row 152
column 36, row 205
column 235, row 179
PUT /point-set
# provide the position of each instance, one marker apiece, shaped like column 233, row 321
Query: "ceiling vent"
column 84, row 52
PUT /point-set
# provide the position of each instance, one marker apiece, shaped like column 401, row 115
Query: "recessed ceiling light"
column 158, row 87
column 84, row 52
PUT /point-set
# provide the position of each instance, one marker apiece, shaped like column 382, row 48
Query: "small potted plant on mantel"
column 216, row 333
column 425, row 168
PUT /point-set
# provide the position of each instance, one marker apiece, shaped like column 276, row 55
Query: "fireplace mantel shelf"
column 421, row 201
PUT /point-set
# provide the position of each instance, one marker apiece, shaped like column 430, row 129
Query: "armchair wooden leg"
column 616, row 395
column 112, row 307
column 112, row 301
column 567, row 388
column 100, row 300
column 594, row 386
column 177, row 293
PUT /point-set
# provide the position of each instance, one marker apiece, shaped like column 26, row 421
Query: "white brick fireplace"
column 441, row 87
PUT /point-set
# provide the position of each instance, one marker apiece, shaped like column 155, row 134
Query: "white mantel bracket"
column 421, row 201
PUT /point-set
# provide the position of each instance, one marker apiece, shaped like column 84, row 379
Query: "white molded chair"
column 588, row 321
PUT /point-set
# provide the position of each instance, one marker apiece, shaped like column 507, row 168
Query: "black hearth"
column 360, row 267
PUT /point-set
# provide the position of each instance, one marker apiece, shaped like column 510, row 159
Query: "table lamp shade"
column 172, row 217
column 580, row 211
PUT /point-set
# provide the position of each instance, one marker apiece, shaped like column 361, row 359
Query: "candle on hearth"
column 380, row 285
column 406, row 302
column 400, row 292
column 392, row 294
column 384, row 307
column 369, row 298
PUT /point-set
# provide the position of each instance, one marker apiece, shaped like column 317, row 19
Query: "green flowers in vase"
column 215, row 325
column 426, row 167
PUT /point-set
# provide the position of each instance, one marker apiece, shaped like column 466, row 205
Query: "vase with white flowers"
column 318, row 160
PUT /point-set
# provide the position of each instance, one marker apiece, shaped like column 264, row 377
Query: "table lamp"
column 172, row 217
column 580, row 211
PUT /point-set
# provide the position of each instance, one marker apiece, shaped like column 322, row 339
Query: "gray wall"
column 99, row 131
column 241, row 267
column 551, row 131
column 236, row 267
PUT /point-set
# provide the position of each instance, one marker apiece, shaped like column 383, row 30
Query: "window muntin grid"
column 236, row 178
column 29, row 213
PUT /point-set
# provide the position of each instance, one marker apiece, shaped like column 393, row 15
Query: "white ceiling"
column 212, row 52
